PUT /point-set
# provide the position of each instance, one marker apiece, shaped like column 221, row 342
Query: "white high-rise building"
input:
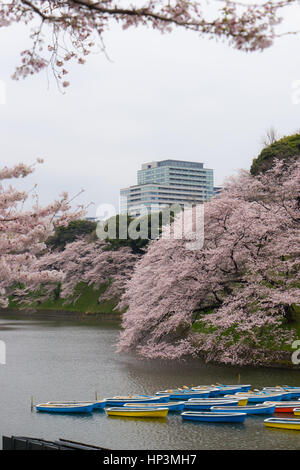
column 167, row 182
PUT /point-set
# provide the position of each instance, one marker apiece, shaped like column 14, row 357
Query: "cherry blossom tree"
column 90, row 263
column 233, row 300
column 78, row 26
column 23, row 233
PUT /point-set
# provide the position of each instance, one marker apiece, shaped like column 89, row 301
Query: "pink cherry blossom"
column 23, row 234
column 77, row 26
column 91, row 263
column 220, row 301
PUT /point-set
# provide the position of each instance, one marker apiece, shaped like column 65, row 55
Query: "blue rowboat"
column 212, row 417
column 204, row 388
column 185, row 395
column 260, row 397
column 121, row 401
column 248, row 409
column 221, row 390
column 291, row 393
column 206, row 404
column 285, row 395
column 96, row 404
column 289, row 386
column 226, row 390
column 244, row 388
column 172, row 406
column 65, row 408
column 99, row 404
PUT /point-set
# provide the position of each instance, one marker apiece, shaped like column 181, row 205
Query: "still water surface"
column 55, row 359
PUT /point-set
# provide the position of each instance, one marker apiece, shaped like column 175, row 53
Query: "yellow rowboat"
column 137, row 412
column 286, row 423
column 297, row 411
column 243, row 401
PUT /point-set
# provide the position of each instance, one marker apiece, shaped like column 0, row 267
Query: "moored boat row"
column 204, row 403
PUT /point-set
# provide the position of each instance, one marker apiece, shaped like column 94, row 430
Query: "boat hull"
column 211, row 417
column 291, row 423
column 226, row 390
column 260, row 398
column 99, row 404
column 249, row 410
column 221, row 390
column 285, row 407
column 137, row 413
column 207, row 405
column 65, row 408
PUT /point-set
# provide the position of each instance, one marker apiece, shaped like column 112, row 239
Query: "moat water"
column 58, row 359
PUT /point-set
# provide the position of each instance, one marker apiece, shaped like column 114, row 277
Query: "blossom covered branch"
column 23, row 233
column 77, row 26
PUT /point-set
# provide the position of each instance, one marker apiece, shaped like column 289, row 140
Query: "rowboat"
column 283, row 394
column 138, row 412
column 260, row 397
column 99, row 404
column 184, row 395
column 96, row 404
column 227, row 389
column 220, row 389
column 206, row 404
column 244, row 388
column 212, row 417
column 291, row 389
column 121, row 400
column 284, row 407
column 206, row 388
column 248, row 409
column 172, row 406
column 65, row 408
column 242, row 401
column 293, row 392
column 283, row 423
column 286, row 395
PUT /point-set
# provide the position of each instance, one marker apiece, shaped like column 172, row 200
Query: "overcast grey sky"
column 162, row 96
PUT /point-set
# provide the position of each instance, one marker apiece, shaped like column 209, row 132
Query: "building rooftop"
column 171, row 162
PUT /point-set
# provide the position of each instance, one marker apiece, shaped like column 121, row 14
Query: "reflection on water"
column 72, row 360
